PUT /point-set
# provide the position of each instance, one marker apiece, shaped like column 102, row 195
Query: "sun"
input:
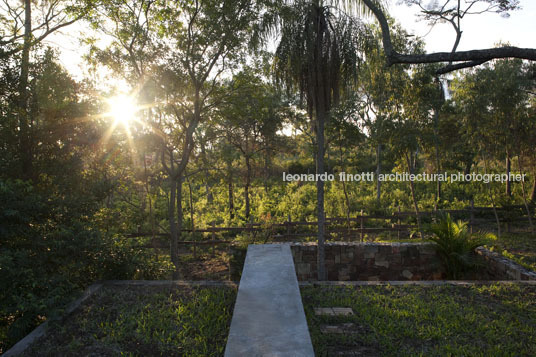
column 123, row 109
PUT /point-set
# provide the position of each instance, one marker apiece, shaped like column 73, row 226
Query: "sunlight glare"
column 122, row 109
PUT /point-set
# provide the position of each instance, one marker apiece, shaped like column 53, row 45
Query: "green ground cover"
column 144, row 321
column 520, row 248
column 479, row 320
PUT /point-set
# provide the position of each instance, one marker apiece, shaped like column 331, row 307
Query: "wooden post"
column 362, row 233
column 229, row 250
column 398, row 222
column 213, row 236
column 289, row 222
column 195, row 250
column 472, row 216
column 507, row 219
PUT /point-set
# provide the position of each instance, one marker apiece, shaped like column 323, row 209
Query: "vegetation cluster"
column 215, row 115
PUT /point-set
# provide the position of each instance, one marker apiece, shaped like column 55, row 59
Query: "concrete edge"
column 417, row 283
column 171, row 283
column 40, row 330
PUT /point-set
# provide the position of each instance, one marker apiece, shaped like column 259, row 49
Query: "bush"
column 48, row 253
column 456, row 245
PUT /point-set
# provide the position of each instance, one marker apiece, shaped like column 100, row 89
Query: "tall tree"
column 494, row 98
column 198, row 40
column 383, row 91
column 24, row 29
column 318, row 56
column 250, row 117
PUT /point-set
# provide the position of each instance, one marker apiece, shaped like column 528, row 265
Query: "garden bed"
column 435, row 319
column 142, row 320
column 521, row 248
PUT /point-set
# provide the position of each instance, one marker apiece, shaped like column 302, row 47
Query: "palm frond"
column 456, row 245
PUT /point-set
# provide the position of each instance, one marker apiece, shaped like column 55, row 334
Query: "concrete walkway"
column 268, row 318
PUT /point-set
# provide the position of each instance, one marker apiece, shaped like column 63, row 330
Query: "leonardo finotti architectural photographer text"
column 405, row 176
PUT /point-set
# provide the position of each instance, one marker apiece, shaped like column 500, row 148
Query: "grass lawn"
column 144, row 321
column 480, row 320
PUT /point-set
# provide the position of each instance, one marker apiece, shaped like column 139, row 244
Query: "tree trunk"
column 436, row 145
column 208, row 188
column 490, row 195
column 173, row 226
column 523, row 193
column 344, row 189
column 266, row 169
column 24, row 126
column 320, row 196
column 533, row 193
column 378, row 172
column 230, row 190
column 246, row 188
column 508, row 169
column 468, row 165
column 191, row 201
column 149, row 198
column 180, row 213
column 320, row 95
column 413, row 196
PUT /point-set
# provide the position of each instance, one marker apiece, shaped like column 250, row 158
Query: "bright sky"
column 479, row 31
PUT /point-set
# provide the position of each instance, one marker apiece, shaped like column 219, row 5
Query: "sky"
column 479, row 31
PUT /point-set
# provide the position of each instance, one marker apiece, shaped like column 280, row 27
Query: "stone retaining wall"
column 503, row 268
column 370, row 261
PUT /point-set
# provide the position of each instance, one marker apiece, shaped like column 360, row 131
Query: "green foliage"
column 456, row 245
column 146, row 321
column 478, row 320
column 520, row 248
column 46, row 257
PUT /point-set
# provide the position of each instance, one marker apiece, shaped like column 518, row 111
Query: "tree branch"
column 470, row 58
column 454, row 67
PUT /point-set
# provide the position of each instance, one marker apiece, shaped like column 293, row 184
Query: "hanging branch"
column 466, row 58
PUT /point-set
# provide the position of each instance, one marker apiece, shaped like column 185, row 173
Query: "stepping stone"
column 268, row 318
column 333, row 311
column 342, row 311
column 359, row 351
column 320, row 311
column 344, row 328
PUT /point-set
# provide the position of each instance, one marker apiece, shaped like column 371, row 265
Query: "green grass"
column 144, row 321
column 485, row 320
column 520, row 248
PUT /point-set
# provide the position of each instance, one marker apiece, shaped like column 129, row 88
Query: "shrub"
column 49, row 252
column 456, row 245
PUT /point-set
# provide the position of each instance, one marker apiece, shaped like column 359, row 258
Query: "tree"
column 494, row 98
column 198, row 40
column 464, row 59
column 20, row 35
column 383, row 89
column 251, row 120
column 318, row 55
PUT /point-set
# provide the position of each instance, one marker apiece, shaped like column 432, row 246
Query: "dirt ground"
column 206, row 265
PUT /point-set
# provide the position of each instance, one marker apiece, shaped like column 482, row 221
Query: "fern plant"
column 456, row 245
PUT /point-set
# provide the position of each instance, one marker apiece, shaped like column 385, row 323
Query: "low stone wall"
column 370, row 261
column 502, row 268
